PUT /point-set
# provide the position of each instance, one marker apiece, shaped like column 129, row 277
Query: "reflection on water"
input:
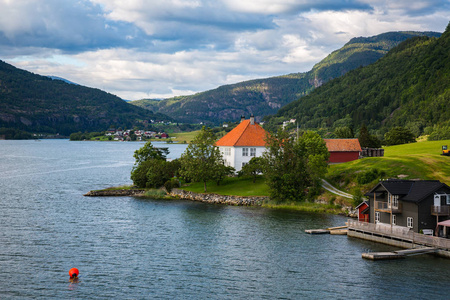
column 136, row 248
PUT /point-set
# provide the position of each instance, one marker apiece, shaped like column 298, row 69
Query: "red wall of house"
column 363, row 217
column 337, row 157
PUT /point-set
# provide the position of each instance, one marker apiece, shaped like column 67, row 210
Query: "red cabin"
column 343, row 150
column 363, row 212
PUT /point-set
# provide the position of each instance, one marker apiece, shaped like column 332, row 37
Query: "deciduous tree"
column 202, row 160
column 294, row 166
column 254, row 168
column 151, row 169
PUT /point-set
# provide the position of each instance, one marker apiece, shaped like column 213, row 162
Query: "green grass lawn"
column 184, row 136
column 232, row 186
column 420, row 160
column 425, row 148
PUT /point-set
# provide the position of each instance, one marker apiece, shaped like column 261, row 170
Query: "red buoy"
column 73, row 273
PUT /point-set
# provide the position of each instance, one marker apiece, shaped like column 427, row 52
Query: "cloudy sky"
column 161, row 48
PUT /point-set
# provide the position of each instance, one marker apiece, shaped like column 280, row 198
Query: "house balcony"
column 440, row 210
column 388, row 207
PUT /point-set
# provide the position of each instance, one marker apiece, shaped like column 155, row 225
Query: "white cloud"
column 162, row 48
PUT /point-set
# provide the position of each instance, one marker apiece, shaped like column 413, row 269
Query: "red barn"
column 343, row 150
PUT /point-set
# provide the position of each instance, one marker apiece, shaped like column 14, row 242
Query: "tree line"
column 292, row 166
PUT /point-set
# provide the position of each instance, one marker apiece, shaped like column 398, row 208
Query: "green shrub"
column 369, row 176
column 357, row 198
column 440, row 133
column 171, row 184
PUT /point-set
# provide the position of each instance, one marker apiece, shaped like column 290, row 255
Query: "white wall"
column 235, row 159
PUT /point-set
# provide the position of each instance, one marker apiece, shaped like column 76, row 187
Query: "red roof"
column 343, row 145
column 245, row 134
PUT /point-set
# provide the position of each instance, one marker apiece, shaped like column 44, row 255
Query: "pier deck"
column 398, row 254
column 317, row 231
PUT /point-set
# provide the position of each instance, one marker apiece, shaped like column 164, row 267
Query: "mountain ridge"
column 408, row 87
column 38, row 103
column 265, row 96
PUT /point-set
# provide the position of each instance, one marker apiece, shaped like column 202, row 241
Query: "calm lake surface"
column 135, row 248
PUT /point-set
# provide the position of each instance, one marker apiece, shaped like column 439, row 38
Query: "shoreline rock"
column 115, row 193
column 200, row 197
column 219, row 199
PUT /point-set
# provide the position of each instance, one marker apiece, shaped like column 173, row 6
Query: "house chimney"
column 252, row 120
column 242, row 118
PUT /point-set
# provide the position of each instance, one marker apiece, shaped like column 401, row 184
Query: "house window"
column 252, row 151
column 377, row 217
column 409, row 222
column 394, row 220
column 395, row 201
column 244, row 163
column 448, row 199
column 244, row 151
column 227, row 151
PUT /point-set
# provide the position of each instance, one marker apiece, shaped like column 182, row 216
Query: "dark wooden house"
column 417, row 204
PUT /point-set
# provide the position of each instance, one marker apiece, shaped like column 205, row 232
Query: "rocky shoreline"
column 185, row 195
column 205, row 198
column 116, row 193
column 219, row 199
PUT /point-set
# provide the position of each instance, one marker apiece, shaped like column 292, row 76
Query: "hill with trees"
column 37, row 103
column 266, row 96
column 408, row 87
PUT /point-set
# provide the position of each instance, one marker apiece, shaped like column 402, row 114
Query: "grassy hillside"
column 263, row 97
column 420, row 160
column 37, row 103
column 410, row 86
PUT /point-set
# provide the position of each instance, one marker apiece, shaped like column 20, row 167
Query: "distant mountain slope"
column 39, row 104
column 410, row 86
column 63, row 79
column 265, row 96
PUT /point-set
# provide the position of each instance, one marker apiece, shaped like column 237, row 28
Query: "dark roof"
column 364, row 202
column 398, row 187
column 421, row 189
column 411, row 190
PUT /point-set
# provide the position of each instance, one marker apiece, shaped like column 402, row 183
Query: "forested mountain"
column 37, row 103
column 266, row 96
column 410, row 87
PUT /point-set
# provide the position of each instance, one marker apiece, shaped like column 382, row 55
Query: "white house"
column 243, row 143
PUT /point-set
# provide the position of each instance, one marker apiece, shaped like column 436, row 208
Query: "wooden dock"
column 398, row 254
column 317, row 231
column 340, row 230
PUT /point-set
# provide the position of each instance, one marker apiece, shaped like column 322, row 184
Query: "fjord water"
column 136, row 248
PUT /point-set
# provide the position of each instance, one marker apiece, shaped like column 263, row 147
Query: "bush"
column 440, row 133
column 171, row 184
column 160, row 171
column 369, row 176
column 357, row 198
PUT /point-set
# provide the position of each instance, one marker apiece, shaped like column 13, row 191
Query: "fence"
column 400, row 232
